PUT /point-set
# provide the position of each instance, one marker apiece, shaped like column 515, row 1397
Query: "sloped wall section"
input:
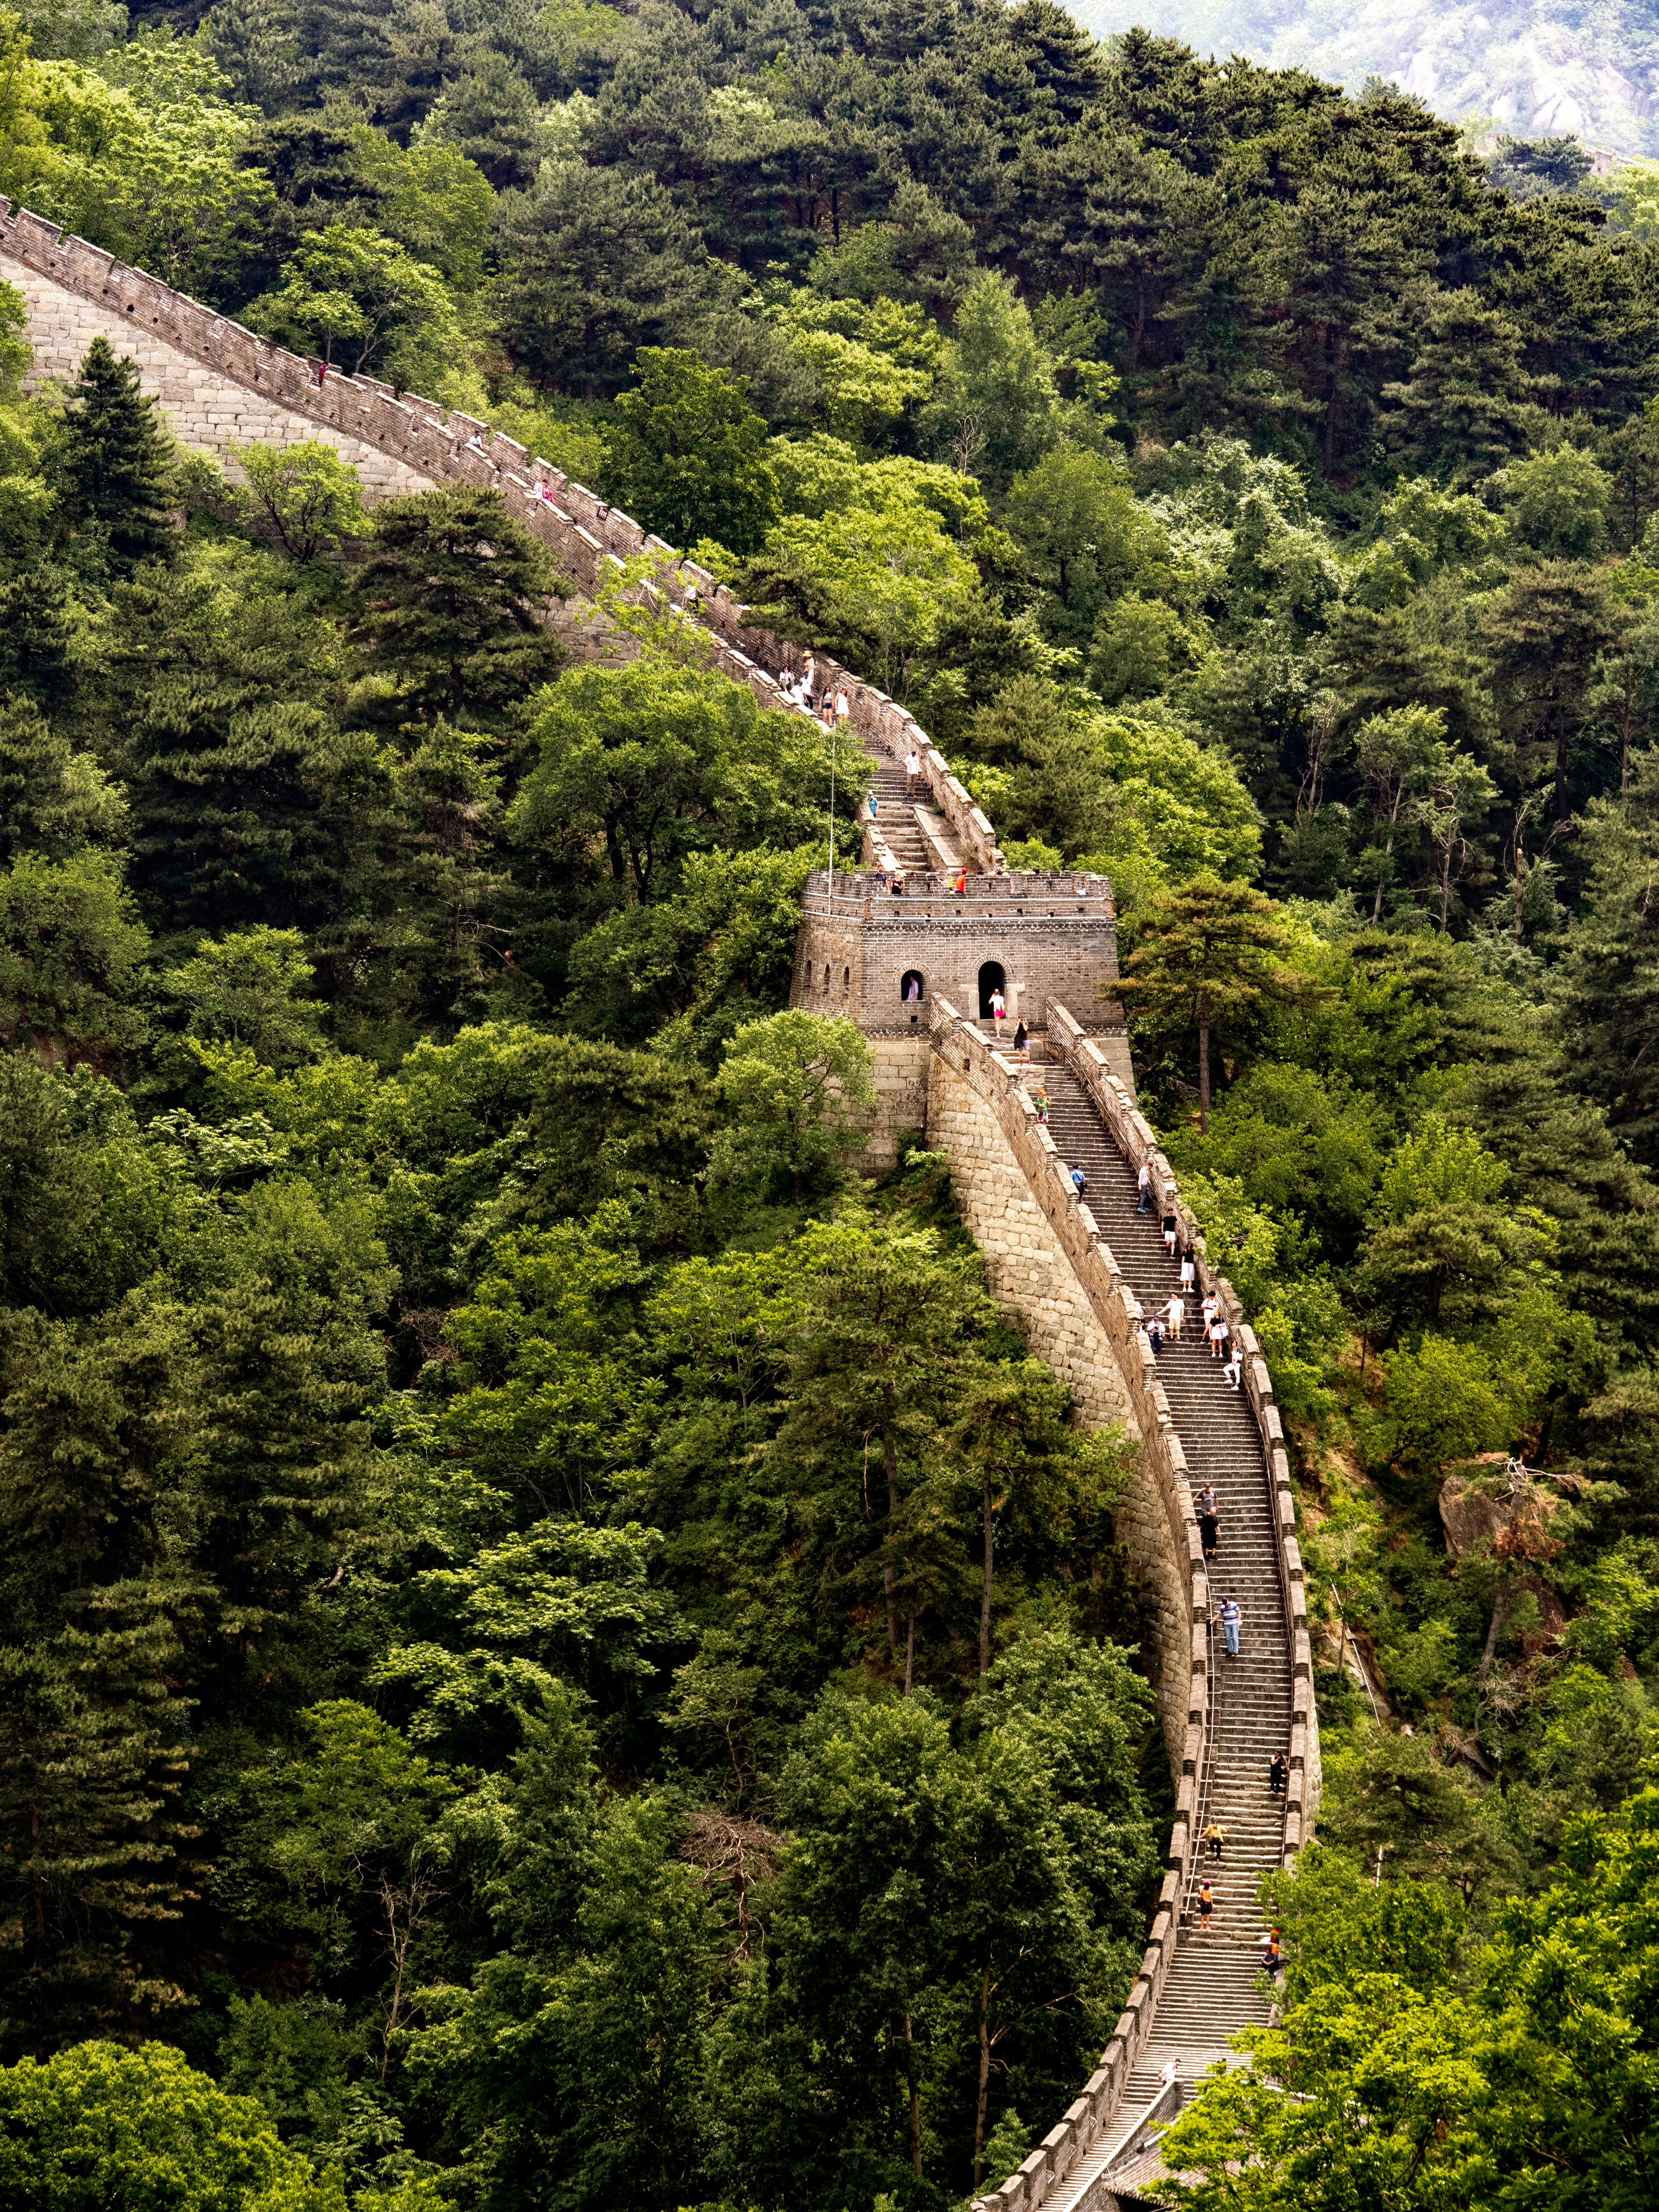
column 216, row 381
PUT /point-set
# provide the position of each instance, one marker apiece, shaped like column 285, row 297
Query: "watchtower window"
column 846, row 982
column 991, row 978
column 826, row 979
column 913, row 987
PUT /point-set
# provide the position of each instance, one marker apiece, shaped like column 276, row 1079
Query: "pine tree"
column 450, row 604
column 1461, row 411
column 116, row 460
column 1206, row 954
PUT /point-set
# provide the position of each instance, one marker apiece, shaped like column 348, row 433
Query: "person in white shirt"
column 843, row 705
column 1188, row 1272
column 912, row 772
column 999, row 1007
column 1175, row 1313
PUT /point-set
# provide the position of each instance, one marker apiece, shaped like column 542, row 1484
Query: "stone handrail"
column 996, row 1080
column 585, row 533
column 1133, row 1136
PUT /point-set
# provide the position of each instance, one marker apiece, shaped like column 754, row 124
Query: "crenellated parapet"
column 222, row 386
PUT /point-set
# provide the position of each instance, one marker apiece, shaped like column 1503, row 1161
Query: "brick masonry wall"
column 1029, row 1271
column 406, row 443
column 903, row 1072
column 206, row 408
column 1053, row 935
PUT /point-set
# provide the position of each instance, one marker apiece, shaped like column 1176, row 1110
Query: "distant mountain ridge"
column 1589, row 68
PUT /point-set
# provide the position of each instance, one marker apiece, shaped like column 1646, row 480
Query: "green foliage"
column 449, row 604
column 687, row 455
column 795, row 1085
column 98, row 2125
column 354, row 294
column 115, row 460
column 304, row 494
column 655, row 761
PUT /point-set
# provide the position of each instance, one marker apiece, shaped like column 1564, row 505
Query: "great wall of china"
column 1081, row 1271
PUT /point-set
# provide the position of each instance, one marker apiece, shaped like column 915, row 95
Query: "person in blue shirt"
column 1079, row 1181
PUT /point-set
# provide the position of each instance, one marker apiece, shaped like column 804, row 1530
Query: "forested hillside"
column 556, row 1651
column 1589, row 68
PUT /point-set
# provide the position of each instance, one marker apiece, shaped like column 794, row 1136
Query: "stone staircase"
column 912, row 827
column 1211, row 1991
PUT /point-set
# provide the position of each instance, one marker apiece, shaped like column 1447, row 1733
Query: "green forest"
column 556, row 1649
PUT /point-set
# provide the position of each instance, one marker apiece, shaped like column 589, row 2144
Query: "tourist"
column 1215, row 1836
column 1278, row 1768
column 1143, row 1188
column 999, row 1008
column 912, row 772
column 1171, row 1232
column 1079, row 1181
column 1175, row 1313
column 1022, row 1044
column 1218, row 1326
column 1210, row 1308
column 1155, row 1335
column 1188, row 1271
column 1232, row 1621
column 1273, row 1958
column 843, row 709
column 1205, row 1907
column 1040, row 1100
column 959, row 887
column 912, row 990
column 1209, row 1531
column 1234, row 1370
column 897, row 884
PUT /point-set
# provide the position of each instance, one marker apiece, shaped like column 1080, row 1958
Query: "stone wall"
column 1159, row 1524
column 903, row 1074
column 1053, row 935
column 80, row 292
column 207, row 409
column 1030, row 1272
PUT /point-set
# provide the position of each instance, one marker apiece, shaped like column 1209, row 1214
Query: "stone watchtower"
column 882, row 961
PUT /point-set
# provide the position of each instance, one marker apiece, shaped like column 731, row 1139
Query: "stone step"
column 1210, row 1991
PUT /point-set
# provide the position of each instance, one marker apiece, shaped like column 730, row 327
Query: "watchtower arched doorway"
column 991, row 978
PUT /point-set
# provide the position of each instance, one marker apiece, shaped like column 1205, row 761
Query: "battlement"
column 222, row 385
column 883, row 960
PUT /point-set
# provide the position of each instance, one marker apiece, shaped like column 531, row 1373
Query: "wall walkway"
column 1080, row 1274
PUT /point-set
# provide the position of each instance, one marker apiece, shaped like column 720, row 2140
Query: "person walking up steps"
column 1205, row 1907
column 1232, row 1621
column 1278, row 1768
column 1144, row 1186
column 912, row 772
column 1171, row 1232
column 1023, row 1043
column 1079, row 1181
column 1215, row 1836
column 1040, row 1100
column 1209, row 1529
column 1218, row 1333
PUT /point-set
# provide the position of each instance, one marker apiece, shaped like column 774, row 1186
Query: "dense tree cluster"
column 557, row 1650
